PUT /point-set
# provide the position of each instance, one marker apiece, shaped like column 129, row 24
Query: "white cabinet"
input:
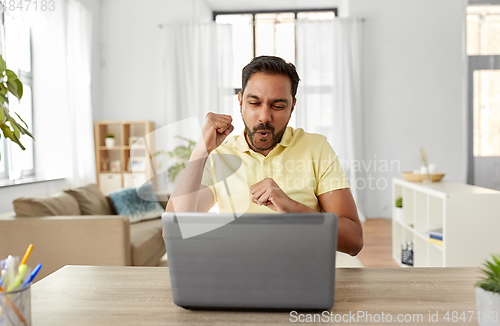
column 469, row 216
column 134, row 180
column 109, row 182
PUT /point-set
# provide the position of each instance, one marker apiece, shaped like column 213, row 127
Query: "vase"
column 110, row 142
column 487, row 307
column 399, row 214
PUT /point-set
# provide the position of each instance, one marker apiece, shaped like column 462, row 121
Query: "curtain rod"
column 253, row 23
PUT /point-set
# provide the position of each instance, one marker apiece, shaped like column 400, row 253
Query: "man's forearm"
column 297, row 207
column 186, row 194
column 348, row 239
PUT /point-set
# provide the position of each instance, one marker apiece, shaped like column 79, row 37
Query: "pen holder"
column 15, row 307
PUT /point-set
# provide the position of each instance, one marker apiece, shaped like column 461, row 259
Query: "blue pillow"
column 127, row 202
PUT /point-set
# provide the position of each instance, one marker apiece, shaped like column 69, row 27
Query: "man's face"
column 266, row 107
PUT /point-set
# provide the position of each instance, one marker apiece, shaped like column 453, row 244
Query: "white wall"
column 95, row 6
column 131, row 54
column 8, row 194
column 414, row 92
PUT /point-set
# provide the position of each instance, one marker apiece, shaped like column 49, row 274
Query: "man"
column 284, row 170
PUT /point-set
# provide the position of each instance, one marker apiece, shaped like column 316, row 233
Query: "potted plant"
column 180, row 156
column 488, row 292
column 110, row 140
column 9, row 83
column 398, row 209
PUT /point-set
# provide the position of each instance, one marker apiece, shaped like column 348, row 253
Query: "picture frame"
column 115, row 166
column 137, row 164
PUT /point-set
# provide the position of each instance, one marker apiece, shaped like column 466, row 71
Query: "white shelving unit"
column 469, row 216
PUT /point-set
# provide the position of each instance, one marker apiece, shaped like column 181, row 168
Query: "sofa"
column 71, row 239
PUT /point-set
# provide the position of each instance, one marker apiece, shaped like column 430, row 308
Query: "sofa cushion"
column 147, row 242
column 91, row 200
column 58, row 204
column 138, row 207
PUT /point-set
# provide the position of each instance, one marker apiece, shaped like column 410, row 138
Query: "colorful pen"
column 32, row 276
column 14, row 283
column 10, row 274
column 17, row 281
column 26, row 255
column 4, row 272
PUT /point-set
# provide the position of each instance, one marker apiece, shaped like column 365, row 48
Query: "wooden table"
column 88, row 295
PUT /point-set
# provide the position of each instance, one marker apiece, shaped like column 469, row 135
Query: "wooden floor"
column 377, row 249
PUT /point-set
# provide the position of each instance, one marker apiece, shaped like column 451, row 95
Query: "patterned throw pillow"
column 138, row 204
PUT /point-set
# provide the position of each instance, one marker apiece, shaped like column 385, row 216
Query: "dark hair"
column 273, row 66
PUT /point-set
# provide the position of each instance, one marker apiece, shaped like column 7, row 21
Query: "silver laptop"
column 254, row 262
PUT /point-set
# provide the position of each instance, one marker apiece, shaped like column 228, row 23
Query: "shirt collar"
column 242, row 145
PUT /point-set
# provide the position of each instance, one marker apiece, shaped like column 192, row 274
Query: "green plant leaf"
column 174, row 170
column 162, row 152
column 3, row 89
column 11, row 135
column 14, row 84
column 21, row 128
column 10, row 75
column 13, row 88
column 399, row 202
column 2, row 114
column 3, row 65
column 22, row 120
column 491, row 275
column 20, row 89
column 15, row 128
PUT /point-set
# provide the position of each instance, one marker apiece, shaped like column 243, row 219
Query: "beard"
column 254, row 136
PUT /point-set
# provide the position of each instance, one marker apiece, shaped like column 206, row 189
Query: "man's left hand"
column 268, row 193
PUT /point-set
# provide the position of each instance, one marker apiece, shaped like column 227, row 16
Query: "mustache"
column 264, row 126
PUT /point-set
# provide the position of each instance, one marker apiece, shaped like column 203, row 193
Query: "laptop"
column 253, row 262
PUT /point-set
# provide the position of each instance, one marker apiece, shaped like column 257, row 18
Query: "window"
column 483, row 48
column 16, row 49
column 264, row 33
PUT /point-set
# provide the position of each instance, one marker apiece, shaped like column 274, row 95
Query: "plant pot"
column 399, row 214
column 110, row 142
column 487, row 306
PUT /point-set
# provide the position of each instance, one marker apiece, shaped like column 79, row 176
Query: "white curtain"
column 197, row 76
column 329, row 96
column 78, row 65
column 197, row 70
column 62, row 111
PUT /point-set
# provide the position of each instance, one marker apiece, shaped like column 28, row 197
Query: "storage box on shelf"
column 126, row 164
column 469, row 217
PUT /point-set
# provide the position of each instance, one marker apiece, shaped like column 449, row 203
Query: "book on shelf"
column 435, row 232
column 435, row 241
column 437, row 237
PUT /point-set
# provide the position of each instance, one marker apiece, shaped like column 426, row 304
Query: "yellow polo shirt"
column 304, row 166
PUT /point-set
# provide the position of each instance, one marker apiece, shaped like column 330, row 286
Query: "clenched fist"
column 268, row 193
column 217, row 128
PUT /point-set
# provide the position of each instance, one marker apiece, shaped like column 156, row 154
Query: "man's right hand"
column 217, row 128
